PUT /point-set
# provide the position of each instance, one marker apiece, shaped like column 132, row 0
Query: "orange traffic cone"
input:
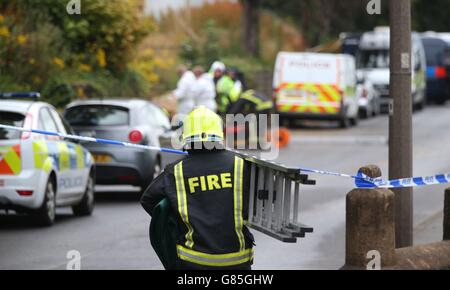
column 283, row 137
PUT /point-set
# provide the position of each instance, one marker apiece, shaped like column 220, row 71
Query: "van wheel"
column 344, row 123
column 86, row 206
column 45, row 215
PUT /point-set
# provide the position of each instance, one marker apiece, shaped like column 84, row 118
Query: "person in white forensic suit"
column 185, row 99
column 203, row 90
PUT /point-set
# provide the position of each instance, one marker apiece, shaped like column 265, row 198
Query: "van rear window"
column 97, row 115
column 11, row 119
column 434, row 51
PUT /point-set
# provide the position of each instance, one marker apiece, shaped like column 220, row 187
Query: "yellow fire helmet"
column 202, row 125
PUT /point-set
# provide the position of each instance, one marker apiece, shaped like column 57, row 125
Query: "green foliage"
column 189, row 53
column 321, row 20
column 431, row 15
column 211, row 48
column 206, row 51
column 43, row 48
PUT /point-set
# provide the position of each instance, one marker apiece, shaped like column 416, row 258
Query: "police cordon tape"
column 364, row 181
column 95, row 140
column 361, row 180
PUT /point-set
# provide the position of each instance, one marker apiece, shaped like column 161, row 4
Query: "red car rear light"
column 25, row 192
column 135, row 136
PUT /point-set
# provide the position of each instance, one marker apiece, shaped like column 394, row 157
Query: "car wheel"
column 86, row 206
column 45, row 215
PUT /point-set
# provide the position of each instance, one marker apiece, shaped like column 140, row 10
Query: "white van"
column 373, row 64
column 316, row 86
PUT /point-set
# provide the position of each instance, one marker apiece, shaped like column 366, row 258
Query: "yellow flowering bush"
column 59, row 62
column 57, row 53
column 21, row 39
column 4, row 31
column 152, row 66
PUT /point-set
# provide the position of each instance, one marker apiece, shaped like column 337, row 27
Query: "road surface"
column 116, row 236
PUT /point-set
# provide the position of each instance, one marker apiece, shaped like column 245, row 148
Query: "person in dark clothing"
column 251, row 102
column 208, row 192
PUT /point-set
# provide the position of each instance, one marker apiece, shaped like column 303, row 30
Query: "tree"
column 250, row 19
column 429, row 15
column 320, row 20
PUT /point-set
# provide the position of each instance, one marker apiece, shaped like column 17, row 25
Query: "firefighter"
column 208, row 192
column 251, row 102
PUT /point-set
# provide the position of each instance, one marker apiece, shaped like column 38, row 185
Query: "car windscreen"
column 97, row 115
column 373, row 58
column 12, row 119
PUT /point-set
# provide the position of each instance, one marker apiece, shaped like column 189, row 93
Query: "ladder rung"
column 277, row 235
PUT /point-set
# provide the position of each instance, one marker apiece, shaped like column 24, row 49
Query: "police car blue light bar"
column 20, row 95
column 95, row 140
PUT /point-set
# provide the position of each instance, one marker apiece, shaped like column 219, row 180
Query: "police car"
column 39, row 173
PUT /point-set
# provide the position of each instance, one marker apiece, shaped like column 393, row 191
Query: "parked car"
column 317, row 86
column 135, row 121
column 38, row 172
column 368, row 99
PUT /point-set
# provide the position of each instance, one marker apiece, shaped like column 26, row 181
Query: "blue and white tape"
column 361, row 180
column 95, row 140
column 403, row 182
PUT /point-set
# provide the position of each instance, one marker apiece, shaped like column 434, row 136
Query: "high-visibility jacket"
column 251, row 102
column 228, row 92
column 209, row 192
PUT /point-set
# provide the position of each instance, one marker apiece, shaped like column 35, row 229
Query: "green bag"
column 164, row 234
